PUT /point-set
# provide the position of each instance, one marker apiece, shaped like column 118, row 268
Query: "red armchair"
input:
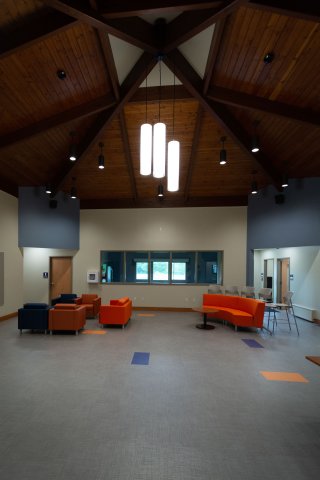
column 67, row 316
column 91, row 301
column 117, row 313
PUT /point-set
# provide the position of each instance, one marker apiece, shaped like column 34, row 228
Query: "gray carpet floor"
column 74, row 407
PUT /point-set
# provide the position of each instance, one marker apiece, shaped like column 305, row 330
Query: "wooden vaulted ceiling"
column 237, row 93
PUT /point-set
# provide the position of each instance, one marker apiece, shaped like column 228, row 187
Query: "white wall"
column 13, row 263
column 35, row 262
column 305, row 268
column 208, row 228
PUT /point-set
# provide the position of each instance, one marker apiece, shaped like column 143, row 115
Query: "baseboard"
column 10, row 315
column 164, row 309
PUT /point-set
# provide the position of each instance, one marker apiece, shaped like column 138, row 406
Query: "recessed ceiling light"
column 61, row 74
column 268, row 58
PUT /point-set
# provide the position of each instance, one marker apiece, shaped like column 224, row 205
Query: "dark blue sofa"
column 64, row 298
column 33, row 316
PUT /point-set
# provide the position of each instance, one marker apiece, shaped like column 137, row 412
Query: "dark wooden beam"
column 251, row 102
column 128, row 8
column 133, row 30
column 194, row 149
column 34, row 29
column 167, row 201
column 232, row 127
column 189, row 24
column 127, row 153
column 81, row 111
column 129, row 86
column 181, row 93
column 213, row 53
column 308, row 10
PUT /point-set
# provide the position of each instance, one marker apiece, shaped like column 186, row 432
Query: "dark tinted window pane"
column 112, row 264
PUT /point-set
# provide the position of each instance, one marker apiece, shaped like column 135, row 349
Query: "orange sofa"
column 117, row 313
column 67, row 316
column 240, row 311
column 91, row 301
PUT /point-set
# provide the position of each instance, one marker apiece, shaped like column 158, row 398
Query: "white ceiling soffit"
column 125, row 56
column 167, row 77
column 196, row 50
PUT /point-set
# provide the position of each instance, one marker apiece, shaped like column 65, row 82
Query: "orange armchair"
column 67, row 316
column 117, row 313
column 91, row 301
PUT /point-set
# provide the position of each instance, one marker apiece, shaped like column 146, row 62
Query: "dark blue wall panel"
column 42, row 226
column 294, row 223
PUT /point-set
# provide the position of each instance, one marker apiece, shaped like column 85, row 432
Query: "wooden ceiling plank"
column 194, row 148
column 128, row 8
column 80, row 111
column 192, row 82
column 305, row 10
column 251, row 102
column 34, row 30
column 189, row 24
column 129, row 86
column 133, row 30
column 127, row 153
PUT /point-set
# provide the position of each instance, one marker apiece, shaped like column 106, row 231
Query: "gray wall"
column 294, row 223
column 45, row 227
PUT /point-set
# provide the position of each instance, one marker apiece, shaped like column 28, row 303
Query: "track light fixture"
column 101, row 157
column 73, row 148
column 160, row 190
column 223, row 152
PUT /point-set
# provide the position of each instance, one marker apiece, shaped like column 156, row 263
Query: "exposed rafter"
column 251, row 102
column 193, row 83
column 75, row 113
column 129, row 86
column 34, row 28
column 307, row 10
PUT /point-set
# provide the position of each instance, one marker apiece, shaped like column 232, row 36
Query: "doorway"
column 268, row 274
column 60, row 276
column 283, row 277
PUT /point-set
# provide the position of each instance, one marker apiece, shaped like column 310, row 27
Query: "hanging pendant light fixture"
column 73, row 191
column 223, row 152
column 146, row 141
column 284, row 182
column 73, row 148
column 255, row 139
column 159, row 140
column 101, row 157
column 160, row 190
column 254, row 185
column 173, row 153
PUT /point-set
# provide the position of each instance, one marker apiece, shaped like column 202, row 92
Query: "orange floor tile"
column 284, row 377
column 94, row 332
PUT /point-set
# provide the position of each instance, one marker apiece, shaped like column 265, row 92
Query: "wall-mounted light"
column 101, row 157
column 223, row 152
column 73, row 148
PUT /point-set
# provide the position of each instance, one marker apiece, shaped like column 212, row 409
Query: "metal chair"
column 265, row 294
column 215, row 289
column 231, row 291
column 248, row 292
column 287, row 306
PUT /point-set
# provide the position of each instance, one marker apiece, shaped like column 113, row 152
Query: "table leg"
column 204, row 325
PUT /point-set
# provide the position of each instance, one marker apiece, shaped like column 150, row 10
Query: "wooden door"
column 60, row 276
column 283, row 278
